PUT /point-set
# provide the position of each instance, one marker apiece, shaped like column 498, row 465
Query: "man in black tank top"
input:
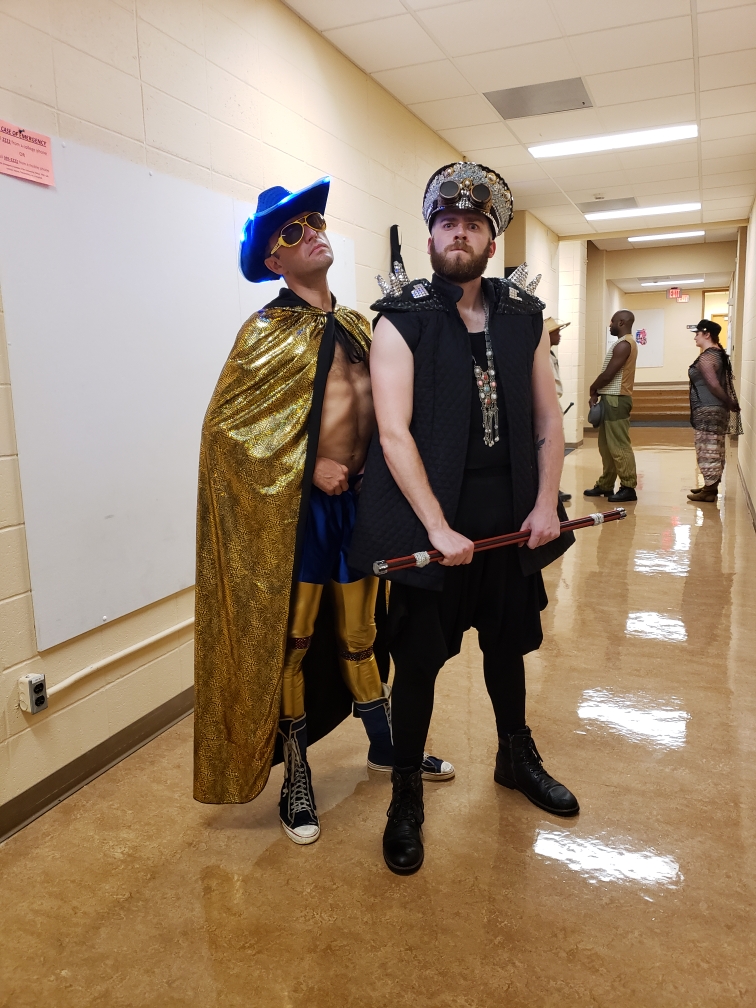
column 470, row 446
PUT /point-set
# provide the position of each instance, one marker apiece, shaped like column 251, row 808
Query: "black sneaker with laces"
column 519, row 766
column 403, row 837
column 296, row 807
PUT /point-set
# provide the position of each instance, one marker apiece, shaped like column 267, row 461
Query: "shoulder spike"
column 401, row 274
column 531, row 286
column 384, row 285
column 519, row 276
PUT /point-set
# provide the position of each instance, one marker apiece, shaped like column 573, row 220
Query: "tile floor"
column 641, row 700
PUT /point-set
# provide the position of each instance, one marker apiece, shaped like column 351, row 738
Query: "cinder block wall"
column 234, row 95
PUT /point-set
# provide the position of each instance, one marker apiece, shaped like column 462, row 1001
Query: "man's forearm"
column 550, row 446
column 406, row 466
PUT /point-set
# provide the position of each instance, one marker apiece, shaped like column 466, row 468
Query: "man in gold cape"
column 275, row 513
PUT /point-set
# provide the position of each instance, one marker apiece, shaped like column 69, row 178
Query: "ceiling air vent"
column 628, row 203
column 539, row 99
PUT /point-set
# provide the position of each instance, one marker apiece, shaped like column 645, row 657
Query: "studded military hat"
column 466, row 185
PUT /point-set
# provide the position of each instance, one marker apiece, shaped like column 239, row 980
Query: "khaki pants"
column 614, row 443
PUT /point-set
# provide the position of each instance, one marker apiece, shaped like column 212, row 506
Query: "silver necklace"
column 486, row 385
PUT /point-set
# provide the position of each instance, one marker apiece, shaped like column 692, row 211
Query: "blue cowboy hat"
column 274, row 207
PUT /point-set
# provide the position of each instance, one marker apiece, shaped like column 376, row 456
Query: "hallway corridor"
column 131, row 895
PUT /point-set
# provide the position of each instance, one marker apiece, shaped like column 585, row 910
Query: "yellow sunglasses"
column 293, row 233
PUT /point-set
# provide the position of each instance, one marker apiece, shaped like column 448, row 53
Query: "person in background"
column 615, row 386
column 554, row 329
column 714, row 408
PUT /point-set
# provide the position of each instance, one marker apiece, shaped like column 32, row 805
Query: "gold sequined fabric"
column 252, row 457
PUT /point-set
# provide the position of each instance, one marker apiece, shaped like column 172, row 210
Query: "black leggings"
column 412, row 700
column 426, row 627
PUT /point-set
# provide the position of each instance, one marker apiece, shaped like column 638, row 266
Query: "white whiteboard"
column 648, row 330
column 122, row 298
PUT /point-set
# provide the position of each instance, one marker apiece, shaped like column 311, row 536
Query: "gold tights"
column 354, row 607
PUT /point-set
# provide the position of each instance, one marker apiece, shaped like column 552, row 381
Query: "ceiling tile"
column 664, row 172
column 424, row 4
column 549, row 200
column 599, row 184
column 736, row 163
column 736, row 206
column 660, row 81
column 325, row 14
column 556, row 126
column 535, row 188
column 710, row 5
column 466, row 138
column 448, row 113
column 681, row 190
column 633, row 46
column 424, row 82
column 578, row 16
column 731, row 178
column 517, row 172
column 592, row 164
column 648, row 114
column 728, row 126
column 505, row 156
column 728, row 101
column 728, row 69
column 479, row 25
column 732, row 146
column 521, row 65
column 727, row 31
column 726, row 213
column 385, row 44
column 671, row 153
column 745, row 192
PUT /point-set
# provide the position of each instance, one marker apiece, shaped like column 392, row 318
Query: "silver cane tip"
column 622, row 512
column 380, row 567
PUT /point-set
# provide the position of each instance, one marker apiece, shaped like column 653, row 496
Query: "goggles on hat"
column 293, row 233
column 450, row 191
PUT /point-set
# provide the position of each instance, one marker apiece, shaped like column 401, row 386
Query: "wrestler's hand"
column 543, row 525
column 455, row 547
column 330, row 477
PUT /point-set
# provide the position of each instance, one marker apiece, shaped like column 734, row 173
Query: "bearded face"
column 460, row 246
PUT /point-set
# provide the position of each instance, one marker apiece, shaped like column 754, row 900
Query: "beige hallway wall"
column 236, row 96
column 679, row 349
column 747, row 443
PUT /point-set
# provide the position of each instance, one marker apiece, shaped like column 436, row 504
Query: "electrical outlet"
column 32, row 693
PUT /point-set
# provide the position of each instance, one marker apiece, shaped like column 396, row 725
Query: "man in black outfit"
column 470, row 446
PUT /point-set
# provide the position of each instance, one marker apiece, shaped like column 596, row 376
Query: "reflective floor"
column 641, row 700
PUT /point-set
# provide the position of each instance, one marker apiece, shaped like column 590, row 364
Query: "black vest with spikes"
column 426, row 315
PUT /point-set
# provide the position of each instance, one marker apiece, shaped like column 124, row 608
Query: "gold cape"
column 253, row 458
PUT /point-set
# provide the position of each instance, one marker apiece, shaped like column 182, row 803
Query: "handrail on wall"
column 96, row 666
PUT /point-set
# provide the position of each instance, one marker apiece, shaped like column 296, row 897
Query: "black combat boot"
column 519, row 766
column 403, row 836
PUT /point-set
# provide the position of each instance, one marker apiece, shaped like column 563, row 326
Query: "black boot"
column 297, row 805
column 624, row 493
column 403, row 836
column 519, row 766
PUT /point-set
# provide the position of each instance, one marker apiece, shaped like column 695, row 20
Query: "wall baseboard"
column 30, row 804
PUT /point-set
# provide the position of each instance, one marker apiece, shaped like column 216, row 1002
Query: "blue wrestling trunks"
column 328, row 535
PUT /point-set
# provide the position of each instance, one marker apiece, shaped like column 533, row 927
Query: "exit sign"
column 684, row 298
column 673, row 292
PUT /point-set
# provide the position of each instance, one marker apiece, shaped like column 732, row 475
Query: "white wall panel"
column 122, row 299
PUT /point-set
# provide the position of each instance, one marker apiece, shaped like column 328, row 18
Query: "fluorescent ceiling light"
column 643, row 211
column 670, row 283
column 614, row 141
column 676, row 234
